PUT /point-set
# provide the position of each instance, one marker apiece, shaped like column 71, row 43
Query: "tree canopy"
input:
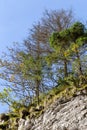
column 69, row 46
column 56, row 48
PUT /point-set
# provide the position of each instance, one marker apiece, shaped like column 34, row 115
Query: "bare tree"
column 24, row 68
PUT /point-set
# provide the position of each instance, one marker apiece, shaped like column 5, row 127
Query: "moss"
column 13, row 123
column 4, row 125
column 11, row 115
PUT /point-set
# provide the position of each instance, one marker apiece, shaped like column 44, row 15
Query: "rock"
column 21, row 124
column 84, row 92
column 63, row 114
column 70, row 115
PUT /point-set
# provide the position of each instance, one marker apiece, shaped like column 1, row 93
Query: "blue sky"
column 17, row 16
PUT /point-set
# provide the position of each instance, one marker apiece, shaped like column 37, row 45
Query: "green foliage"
column 77, row 30
column 4, row 126
column 30, row 71
column 60, row 40
column 69, row 45
column 42, row 61
column 5, row 96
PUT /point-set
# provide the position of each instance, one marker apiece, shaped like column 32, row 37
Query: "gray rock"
column 70, row 115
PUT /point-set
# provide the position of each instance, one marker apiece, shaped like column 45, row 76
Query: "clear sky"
column 17, row 16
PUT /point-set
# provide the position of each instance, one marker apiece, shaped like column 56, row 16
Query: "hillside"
column 65, row 110
column 69, row 115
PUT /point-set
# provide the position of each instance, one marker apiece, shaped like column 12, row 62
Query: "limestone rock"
column 70, row 115
column 61, row 115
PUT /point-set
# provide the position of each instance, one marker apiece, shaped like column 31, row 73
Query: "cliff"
column 63, row 114
column 70, row 115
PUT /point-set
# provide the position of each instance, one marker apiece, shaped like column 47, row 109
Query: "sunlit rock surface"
column 71, row 115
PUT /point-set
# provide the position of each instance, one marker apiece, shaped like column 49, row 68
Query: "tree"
column 39, row 38
column 24, row 68
column 56, row 21
column 60, row 42
column 12, row 75
column 69, row 46
column 32, row 66
column 78, row 38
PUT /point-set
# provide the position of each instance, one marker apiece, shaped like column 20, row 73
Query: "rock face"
column 61, row 115
column 71, row 115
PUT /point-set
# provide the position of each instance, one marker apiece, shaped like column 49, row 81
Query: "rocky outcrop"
column 70, row 115
column 63, row 114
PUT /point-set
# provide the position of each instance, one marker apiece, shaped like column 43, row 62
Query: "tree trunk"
column 80, row 73
column 37, row 90
column 65, row 68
